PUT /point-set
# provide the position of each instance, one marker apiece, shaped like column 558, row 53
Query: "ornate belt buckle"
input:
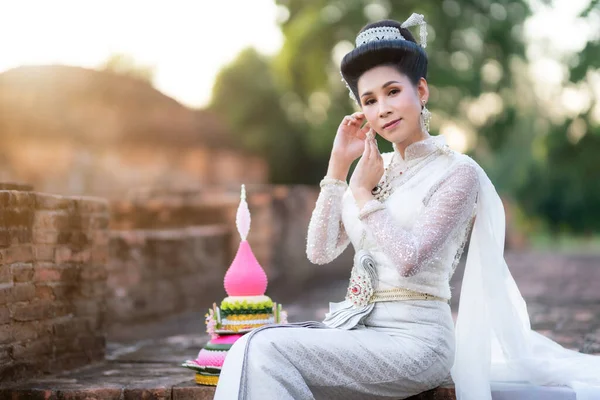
column 360, row 289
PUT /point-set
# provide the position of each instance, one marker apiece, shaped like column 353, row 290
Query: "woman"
column 407, row 214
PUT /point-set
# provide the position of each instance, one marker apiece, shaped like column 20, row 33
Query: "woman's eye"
column 394, row 91
column 370, row 101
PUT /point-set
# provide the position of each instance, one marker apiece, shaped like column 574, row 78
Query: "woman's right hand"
column 349, row 141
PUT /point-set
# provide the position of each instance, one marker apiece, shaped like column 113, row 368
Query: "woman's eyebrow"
column 383, row 87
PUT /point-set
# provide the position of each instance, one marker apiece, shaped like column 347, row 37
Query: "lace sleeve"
column 327, row 238
column 449, row 208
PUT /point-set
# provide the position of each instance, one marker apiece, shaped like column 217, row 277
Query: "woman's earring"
column 425, row 118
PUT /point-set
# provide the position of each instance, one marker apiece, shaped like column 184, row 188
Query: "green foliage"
column 248, row 98
column 288, row 108
column 564, row 186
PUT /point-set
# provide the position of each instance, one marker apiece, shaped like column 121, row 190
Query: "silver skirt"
column 389, row 350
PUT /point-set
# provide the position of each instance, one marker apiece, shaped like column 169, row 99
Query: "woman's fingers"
column 367, row 150
column 355, row 118
column 365, row 129
column 361, row 134
column 372, row 149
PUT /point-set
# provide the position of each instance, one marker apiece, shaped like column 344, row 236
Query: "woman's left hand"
column 368, row 172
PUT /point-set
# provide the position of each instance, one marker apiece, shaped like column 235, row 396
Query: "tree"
column 562, row 185
column 288, row 107
column 470, row 57
column 247, row 97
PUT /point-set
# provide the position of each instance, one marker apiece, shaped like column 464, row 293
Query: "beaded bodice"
column 417, row 233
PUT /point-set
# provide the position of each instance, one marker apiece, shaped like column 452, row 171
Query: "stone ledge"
column 192, row 391
column 183, row 391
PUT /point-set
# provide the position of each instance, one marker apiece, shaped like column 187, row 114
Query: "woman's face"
column 391, row 103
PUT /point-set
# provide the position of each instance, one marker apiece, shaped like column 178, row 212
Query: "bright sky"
column 188, row 41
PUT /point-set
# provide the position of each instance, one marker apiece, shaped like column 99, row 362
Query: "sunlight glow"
column 456, row 137
column 186, row 42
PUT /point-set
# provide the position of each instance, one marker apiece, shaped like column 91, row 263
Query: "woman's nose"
column 384, row 109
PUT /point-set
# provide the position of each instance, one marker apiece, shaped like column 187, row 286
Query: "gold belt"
column 401, row 294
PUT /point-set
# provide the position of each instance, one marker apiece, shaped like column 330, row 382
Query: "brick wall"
column 155, row 273
column 169, row 251
column 81, row 168
column 53, row 254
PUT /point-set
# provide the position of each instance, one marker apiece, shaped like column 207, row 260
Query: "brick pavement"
column 143, row 361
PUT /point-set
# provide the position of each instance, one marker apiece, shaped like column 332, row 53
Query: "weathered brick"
column 5, row 274
column 65, row 327
column 44, row 252
column 28, row 311
column 24, row 236
column 24, row 331
column 50, row 220
column 43, row 236
column 62, row 254
column 4, row 238
column 5, row 293
column 24, row 197
column 83, row 256
column 92, row 205
column 22, row 272
column 65, row 291
column 92, row 393
column 44, row 292
column 5, row 196
column 25, row 351
column 192, row 391
column 96, row 222
column 26, row 394
column 64, row 237
column 16, row 217
column 60, row 309
column 100, row 237
column 163, row 393
column 23, row 292
column 75, row 221
column 6, row 334
column 5, row 317
column 5, row 356
column 21, row 253
column 71, row 273
column 47, row 273
column 45, row 201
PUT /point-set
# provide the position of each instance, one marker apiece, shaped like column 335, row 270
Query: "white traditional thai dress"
column 382, row 350
column 412, row 240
